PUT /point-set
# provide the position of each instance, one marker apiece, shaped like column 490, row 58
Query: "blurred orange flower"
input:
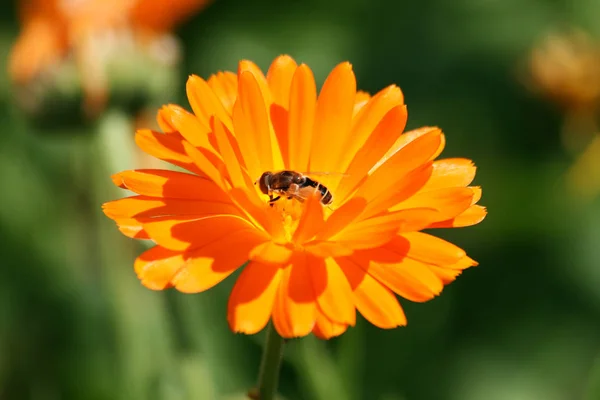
column 54, row 29
column 309, row 266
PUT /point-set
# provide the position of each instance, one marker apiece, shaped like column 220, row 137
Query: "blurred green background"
column 75, row 323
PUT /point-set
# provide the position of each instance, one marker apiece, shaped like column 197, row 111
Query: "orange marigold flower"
column 309, row 266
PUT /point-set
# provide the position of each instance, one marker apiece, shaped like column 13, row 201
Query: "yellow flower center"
column 289, row 212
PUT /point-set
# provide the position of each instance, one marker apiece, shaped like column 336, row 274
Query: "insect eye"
column 298, row 179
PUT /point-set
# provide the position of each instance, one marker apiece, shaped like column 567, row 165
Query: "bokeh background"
column 75, row 323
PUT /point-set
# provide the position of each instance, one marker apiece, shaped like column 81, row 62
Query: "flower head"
column 305, row 265
column 92, row 34
column 566, row 68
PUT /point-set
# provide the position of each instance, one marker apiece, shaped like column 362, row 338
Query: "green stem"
column 268, row 376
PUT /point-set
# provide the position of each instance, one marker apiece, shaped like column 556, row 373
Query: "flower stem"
column 268, row 377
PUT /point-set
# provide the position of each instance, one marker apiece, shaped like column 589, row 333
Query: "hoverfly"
column 292, row 185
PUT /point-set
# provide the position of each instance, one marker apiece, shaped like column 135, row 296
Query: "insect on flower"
column 292, row 185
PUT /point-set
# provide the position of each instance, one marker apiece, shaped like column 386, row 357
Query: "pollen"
column 289, row 211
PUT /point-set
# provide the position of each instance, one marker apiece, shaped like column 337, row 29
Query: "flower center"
column 289, row 211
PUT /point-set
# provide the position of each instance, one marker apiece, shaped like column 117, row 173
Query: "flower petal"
column 167, row 148
column 384, row 134
column 333, row 118
column 373, row 300
column 333, row 292
column 325, row 328
column 193, row 129
column 406, row 187
column 256, row 102
column 237, row 176
column 446, row 275
column 451, row 172
column 271, row 253
column 144, row 206
column 431, row 249
column 376, row 231
column 311, row 221
column 184, row 234
column 471, row 216
column 251, row 300
column 302, row 108
column 279, row 79
column 295, row 309
column 410, row 157
column 224, row 85
column 210, row 167
column 368, row 119
column 156, row 267
column 171, row 184
column 205, row 102
column 342, row 217
column 208, row 265
column 131, row 228
column 410, row 279
column 449, row 202
column 409, row 137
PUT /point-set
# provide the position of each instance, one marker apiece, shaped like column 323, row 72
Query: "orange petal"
column 472, row 216
column 326, row 328
column 342, row 217
column 224, row 85
column 171, row 184
column 373, row 300
column 446, row 275
column 311, row 221
column 156, row 267
column 246, row 66
column 431, row 249
column 131, row 228
column 280, row 121
column 409, row 278
column 302, row 107
column 167, row 148
column 245, row 133
column 414, row 155
column 405, row 188
column 251, row 300
column 333, row 118
column 333, row 292
column 208, row 265
column 253, row 84
column 451, row 172
column 238, row 177
column 476, row 194
column 449, row 202
column 295, row 311
column 408, row 137
column 193, row 129
column 361, row 100
column 271, row 253
column 367, row 120
column 144, row 206
column 327, row 249
column 209, row 167
column 205, row 102
column 386, row 132
column 279, row 78
column 182, row 233
column 376, row 231
column 259, row 213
